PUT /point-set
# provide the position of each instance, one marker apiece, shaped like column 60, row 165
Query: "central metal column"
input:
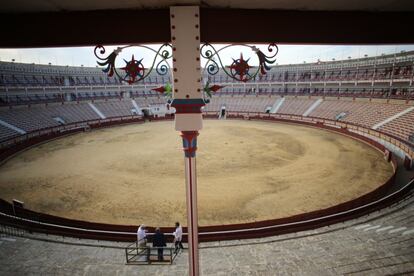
column 185, row 38
column 190, row 147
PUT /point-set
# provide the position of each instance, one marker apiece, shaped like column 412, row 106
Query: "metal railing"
column 134, row 246
column 140, row 255
column 9, row 230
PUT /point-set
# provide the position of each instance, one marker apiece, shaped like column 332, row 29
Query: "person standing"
column 142, row 241
column 159, row 241
column 142, row 236
column 178, row 236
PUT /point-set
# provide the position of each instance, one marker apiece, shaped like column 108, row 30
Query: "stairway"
column 276, row 106
column 137, row 108
column 12, row 127
column 312, row 107
column 380, row 124
column 97, row 111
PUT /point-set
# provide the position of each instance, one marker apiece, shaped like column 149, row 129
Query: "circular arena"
column 327, row 137
column 248, row 171
column 280, row 156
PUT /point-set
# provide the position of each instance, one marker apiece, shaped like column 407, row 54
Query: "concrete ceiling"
column 20, row 6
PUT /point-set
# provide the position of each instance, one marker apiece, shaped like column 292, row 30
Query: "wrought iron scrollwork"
column 209, row 89
column 134, row 70
column 240, row 69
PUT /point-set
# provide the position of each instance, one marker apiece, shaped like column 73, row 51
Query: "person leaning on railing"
column 158, row 240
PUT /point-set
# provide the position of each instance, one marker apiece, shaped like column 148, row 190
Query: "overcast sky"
column 288, row 54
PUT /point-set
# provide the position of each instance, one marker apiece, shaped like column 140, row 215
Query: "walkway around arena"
column 381, row 243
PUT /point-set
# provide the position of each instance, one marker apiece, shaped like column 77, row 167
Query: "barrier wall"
column 379, row 198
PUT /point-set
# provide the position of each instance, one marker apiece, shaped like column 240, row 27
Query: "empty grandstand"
column 385, row 76
column 375, row 92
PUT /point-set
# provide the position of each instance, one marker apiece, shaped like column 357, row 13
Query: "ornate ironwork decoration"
column 240, row 69
column 134, row 70
column 210, row 89
column 166, row 90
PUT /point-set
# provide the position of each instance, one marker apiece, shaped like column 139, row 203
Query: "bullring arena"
column 305, row 170
column 249, row 171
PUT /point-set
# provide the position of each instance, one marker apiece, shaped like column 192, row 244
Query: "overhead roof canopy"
column 20, row 6
column 47, row 23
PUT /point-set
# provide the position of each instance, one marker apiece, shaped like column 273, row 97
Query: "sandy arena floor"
column 248, row 171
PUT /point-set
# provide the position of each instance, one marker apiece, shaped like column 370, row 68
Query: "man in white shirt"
column 142, row 236
column 142, row 243
column 178, row 236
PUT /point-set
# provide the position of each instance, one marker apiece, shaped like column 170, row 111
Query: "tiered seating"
column 72, row 113
column 330, row 109
column 241, row 104
column 34, row 118
column 254, row 104
column 7, row 133
column 147, row 101
column 358, row 112
column 363, row 113
column 295, row 106
column 115, row 108
column 401, row 127
column 82, row 96
column 214, row 105
column 30, row 99
column 321, row 78
column 28, row 119
column 369, row 114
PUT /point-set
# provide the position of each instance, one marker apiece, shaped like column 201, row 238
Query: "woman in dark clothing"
column 159, row 241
